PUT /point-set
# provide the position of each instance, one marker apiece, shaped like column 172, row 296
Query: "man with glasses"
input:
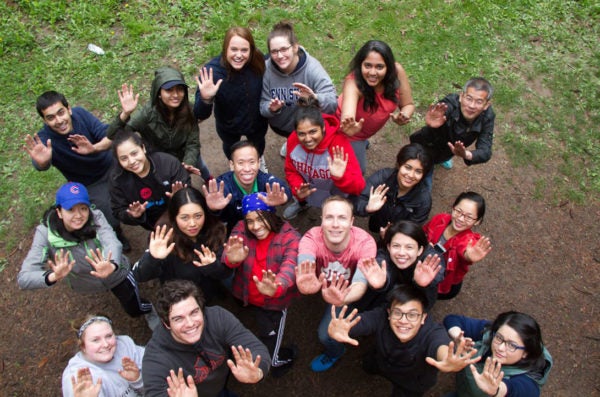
column 410, row 348
column 456, row 122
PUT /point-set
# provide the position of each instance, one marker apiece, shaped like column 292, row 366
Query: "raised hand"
column 490, row 378
column 268, row 285
column 137, row 209
column 377, row 198
column 475, row 253
column 82, row 145
column 275, row 105
column 304, row 91
column 436, row 115
column 459, row 149
column 335, row 291
column 339, row 327
column 40, row 153
column 206, row 256
column 175, row 187
column 453, row 361
column 130, row 371
column 235, row 250
column 400, row 118
column 103, row 267
column 304, row 190
column 180, row 387
column 190, row 169
column 376, row 275
column 128, row 99
column 426, row 270
column 337, row 165
column 244, row 369
column 275, row 195
column 306, row 279
column 215, row 195
column 83, row 385
column 350, row 126
column 206, row 85
column 160, row 242
column 61, row 266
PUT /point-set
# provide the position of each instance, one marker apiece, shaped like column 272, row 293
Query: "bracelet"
column 497, row 391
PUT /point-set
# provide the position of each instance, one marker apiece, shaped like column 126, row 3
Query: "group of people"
column 228, row 236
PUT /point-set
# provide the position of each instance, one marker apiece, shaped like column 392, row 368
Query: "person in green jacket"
column 167, row 122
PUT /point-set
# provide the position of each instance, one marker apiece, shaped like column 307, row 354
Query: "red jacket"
column 456, row 264
column 303, row 166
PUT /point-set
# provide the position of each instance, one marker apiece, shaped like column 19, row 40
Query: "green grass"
column 542, row 56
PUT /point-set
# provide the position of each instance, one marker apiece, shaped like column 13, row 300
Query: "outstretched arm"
column 339, row 327
column 449, row 360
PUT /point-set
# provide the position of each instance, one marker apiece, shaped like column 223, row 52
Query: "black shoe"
column 286, row 354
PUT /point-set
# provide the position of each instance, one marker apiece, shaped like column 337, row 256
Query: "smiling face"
column 284, row 54
column 186, row 321
column 409, row 174
column 464, row 215
column 405, row 329
column 473, row 103
column 58, row 118
column 173, row 96
column 75, row 218
column 190, row 219
column 337, row 223
column 238, row 52
column 98, row 342
column 404, row 250
column 133, row 158
column 309, row 134
column 373, row 69
column 257, row 225
column 244, row 164
column 501, row 350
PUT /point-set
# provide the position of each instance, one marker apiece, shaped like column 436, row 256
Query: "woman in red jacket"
column 320, row 161
column 263, row 250
column 462, row 247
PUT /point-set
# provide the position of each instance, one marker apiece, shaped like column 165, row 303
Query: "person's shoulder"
column 162, row 157
column 227, row 178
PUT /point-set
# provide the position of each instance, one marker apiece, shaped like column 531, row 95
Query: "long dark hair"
column 531, row 334
column 476, row 198
column 390, row 80
column 271, row 219
column 57, row 226
column 256, row 60
column 212, row 233
column 123, row 135
column 414, row 151
column 182, row 118
column 309, row 109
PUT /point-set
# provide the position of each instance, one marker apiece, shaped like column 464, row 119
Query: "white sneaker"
column 263, row 165
column 283, row 151
column 293, row 210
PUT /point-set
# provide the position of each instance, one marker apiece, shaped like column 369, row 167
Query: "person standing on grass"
column 320, row 161
column 167, row 122
column 74, row 141
column 263, row 250
column 375, row 90
column 75, row 243
column 291, row 73
column 224, row 195
column 207, row 343
column 327, row 259
column 456, row 122
column 232, row 84
column 410, row 348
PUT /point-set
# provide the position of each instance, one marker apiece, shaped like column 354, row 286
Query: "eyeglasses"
column 282, row 50
column 510, row 346
column 397, row 314
column 459, row 213
column 472, row 101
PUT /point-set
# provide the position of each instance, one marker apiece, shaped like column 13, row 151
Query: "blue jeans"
column 360, row 151
column 333, row 348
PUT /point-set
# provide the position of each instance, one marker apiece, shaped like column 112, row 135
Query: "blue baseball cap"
column 71, row 194
column 173, row 83
column 251, row 202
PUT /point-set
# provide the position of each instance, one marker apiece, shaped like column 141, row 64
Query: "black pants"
column 128, row 294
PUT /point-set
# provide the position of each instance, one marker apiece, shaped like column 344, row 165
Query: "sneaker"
column 322, row 363
column 263, row 165
column 152, row 319
column 447, row 164
column 283, row 151
column 293, row 210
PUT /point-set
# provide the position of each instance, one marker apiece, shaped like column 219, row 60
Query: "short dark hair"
column 404, row 293
column 271, row 219
column 175, row 291
column 475, row 197
column 240, row 145
column 414, row 151
column 48, row 99
column 480, row 84
column 407, row 228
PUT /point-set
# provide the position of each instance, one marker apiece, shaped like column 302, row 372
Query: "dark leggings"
column 128, row 294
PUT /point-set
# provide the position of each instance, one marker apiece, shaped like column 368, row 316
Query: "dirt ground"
column 545, row 261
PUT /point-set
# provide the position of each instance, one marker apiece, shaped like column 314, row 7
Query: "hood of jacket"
column 161, row 76
column 332, row 126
